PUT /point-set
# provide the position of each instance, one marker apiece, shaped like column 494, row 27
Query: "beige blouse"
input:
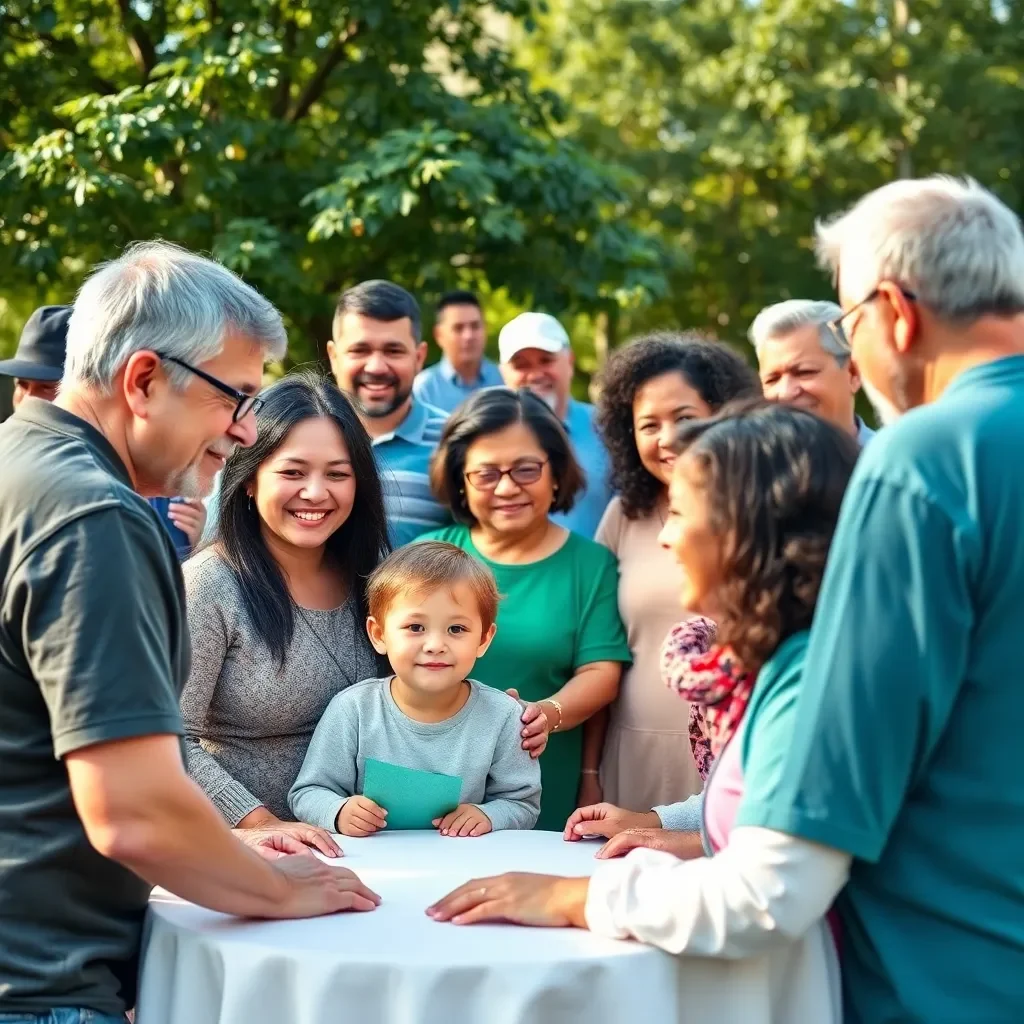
column 647, row 759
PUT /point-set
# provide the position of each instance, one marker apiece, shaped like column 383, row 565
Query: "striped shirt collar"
column 414, row 425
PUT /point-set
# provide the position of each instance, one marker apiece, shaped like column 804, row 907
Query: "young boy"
column 432, row 608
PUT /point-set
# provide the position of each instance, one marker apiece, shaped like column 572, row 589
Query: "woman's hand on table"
column 465, row 820
column 268, row 835
column 316, row 888
column 540, row 901
column 271, row 844
column 606, row 820
column 536, row 725
column 360, row 816
column 684, row 845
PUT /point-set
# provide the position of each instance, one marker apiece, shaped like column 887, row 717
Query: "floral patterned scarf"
column 709, row 678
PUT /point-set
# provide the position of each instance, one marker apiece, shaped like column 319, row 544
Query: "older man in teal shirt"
column 888, row 772
column 906, row 752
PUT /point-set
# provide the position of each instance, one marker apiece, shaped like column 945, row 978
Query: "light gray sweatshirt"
column 481, row 744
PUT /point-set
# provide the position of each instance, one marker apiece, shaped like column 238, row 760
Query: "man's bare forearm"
column 140, row 808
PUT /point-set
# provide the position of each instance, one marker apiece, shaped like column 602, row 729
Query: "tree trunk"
column 900, row 18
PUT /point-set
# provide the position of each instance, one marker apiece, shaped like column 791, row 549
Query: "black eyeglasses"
column 522, row 473
column 836, row 326
column 245, row 403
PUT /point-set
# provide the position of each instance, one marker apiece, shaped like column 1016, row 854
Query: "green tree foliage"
column 306, row 144
column 743, row 121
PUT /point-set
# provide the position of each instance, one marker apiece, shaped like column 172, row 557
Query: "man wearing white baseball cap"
column 535, row 353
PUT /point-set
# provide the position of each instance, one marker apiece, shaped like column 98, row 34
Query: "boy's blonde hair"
column 427, row 566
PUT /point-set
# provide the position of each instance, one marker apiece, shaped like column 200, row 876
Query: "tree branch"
column 279, row 108
column 315, row 86
column 139, row 42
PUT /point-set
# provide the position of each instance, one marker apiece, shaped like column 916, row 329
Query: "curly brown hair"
column 718, row 373
column 773, row 478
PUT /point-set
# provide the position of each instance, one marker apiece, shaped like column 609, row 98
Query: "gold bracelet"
column 558, row 708
column 589, row 771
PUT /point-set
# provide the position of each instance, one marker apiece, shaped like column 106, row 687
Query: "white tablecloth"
column 396, row 966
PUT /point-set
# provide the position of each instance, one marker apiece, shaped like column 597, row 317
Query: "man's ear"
column 376, row 634
column 142, row 374
column 902, row 313
column 421, row 355
column 854, row 374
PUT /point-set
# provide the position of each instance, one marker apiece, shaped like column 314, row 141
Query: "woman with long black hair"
column 276, row 603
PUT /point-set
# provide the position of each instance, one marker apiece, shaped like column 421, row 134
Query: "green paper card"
column 413, row 799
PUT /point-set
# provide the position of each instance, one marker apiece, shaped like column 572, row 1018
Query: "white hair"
column 949, row 241
column 159, row 297
column 785, row 317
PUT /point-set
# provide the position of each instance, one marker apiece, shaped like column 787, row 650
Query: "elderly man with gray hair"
column 165, row 352
column 803, row 362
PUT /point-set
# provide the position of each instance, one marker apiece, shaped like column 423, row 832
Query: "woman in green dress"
column 503, row 465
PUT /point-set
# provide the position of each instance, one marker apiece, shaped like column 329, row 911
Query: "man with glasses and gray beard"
column 165, row 352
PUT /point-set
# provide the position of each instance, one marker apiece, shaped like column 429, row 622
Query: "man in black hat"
column 38, row 363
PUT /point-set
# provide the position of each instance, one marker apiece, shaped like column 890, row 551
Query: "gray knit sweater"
column 248, row 721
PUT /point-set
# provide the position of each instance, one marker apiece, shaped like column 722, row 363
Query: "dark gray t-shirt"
column 93, row 648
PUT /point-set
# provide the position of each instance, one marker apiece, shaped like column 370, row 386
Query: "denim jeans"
column 65, row 1015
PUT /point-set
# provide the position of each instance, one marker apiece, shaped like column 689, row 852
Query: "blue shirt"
column 905, row 750
column 593, row 457
column 440, row 386
column 403, row 460
column 181, row 542
column 864, row 432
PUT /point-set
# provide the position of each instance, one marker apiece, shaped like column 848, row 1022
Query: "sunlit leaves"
column 307, row 145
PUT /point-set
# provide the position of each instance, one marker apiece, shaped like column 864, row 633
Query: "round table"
column 396, row 966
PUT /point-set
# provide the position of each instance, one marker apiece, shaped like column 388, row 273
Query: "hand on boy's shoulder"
column 465, row 820
column 536, row 725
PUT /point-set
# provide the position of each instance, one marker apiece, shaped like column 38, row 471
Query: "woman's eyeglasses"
column 522, row 473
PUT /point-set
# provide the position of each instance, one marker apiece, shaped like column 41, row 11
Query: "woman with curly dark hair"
column 754, row 500
column 650, row 386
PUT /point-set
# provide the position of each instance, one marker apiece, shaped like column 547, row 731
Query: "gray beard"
column 186, row 484
column 888, row 413
column 547, row 397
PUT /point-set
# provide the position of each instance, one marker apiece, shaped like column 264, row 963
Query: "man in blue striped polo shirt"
column 375, row 355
